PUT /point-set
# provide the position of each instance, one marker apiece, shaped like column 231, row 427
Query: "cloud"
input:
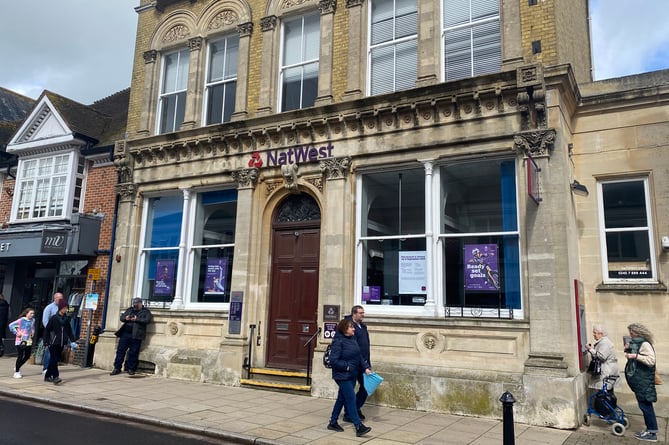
column 629, row 37
column 81, row 49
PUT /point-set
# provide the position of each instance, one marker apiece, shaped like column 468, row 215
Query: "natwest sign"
column 294, row 155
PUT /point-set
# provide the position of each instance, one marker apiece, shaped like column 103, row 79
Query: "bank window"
column 48, row 187
column 392, row 235
column 480, row 239
column 299, row 62
column 221, row 82
column 213, row 246
column 626, row 232
column 159, row 255
column 172, row 101
column 471, row 38
column 393, row 47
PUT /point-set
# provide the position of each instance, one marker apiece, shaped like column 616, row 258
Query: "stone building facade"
column 288, row 159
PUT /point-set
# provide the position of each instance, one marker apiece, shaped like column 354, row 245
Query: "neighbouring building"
column 58, row 204
column 286, row 160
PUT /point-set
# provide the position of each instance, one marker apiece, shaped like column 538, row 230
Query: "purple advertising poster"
column 215, row 280
column 481, row 267
column 371, row 293
column 162, row 286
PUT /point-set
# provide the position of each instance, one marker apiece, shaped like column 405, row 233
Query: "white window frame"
column 393, row 43
column 648, row 228
column 468, row 25
column 165, row 95
column 67, row 195
column 303, row 62
column 184, row 274
column 225, row 81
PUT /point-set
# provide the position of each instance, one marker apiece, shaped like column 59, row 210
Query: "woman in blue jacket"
column 347, row 363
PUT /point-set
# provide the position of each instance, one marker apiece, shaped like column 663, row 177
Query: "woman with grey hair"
column 603, row 349
column 640, row 375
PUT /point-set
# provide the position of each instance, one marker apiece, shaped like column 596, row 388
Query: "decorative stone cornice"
column 352, row 3
column 150, row 56
column 335, row 168
column 268, row 23
column 245, row 29
column 245, row 177
column 536, row 143
column 327, row 6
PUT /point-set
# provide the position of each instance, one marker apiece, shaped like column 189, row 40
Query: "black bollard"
column 507, row 418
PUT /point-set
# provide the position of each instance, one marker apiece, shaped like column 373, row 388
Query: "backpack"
column 326, row 357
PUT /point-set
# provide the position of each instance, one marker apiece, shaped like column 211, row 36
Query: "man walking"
column 131, row 333
column 49, row 311
column 362, row 337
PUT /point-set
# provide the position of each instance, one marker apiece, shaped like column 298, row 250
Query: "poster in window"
column 215, row 279
column 163, row 285
column 481, row 267
column 371, row 294
column 412, row 272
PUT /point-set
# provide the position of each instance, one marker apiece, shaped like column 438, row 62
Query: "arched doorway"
column 293, row 300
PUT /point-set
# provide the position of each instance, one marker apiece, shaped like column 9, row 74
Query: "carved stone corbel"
column 335, row 168
column 245, row 177
column 290, row 175
column 126, row 191
column 536, row 143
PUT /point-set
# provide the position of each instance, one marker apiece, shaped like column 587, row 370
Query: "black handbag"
column 595, row 366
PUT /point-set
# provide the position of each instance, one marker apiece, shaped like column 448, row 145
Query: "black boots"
column 361, row 430
column 335, row 427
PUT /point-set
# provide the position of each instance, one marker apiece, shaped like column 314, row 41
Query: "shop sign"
column 53, row 241
column 300, row 154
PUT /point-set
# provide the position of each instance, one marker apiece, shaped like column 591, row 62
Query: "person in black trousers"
column 362, row 337
column 130, row 336
column 4, row 318
column 57, row 335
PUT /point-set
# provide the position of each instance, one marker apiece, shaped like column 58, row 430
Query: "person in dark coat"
column 347, row 362
column 57, row 334
column 362, row 337
column 640, row 375
column 4, row 318
column 131, row 334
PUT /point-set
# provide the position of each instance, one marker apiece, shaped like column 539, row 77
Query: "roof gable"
column 44, row 122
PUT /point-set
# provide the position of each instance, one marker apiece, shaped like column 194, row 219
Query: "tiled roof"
column 13, row 106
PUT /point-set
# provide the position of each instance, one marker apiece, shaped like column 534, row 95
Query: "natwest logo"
column 293, row 155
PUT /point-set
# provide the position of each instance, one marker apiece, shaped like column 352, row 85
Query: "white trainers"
column 17, row 375
column 43, row 371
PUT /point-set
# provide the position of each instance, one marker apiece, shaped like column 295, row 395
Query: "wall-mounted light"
column 579, row 188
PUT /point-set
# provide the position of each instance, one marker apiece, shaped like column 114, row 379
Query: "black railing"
column 310, row 350
column 249, row 358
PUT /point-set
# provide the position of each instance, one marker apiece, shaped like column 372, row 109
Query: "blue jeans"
column 130, row 345
column 648, row 415
column 346, row 396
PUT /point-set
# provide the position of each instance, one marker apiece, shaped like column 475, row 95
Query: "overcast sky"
column 83, row 49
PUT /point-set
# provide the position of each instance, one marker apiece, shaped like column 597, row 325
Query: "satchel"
column 658, row 380
column 595, row 366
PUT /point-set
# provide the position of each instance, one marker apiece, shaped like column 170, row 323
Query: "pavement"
column 253, row 416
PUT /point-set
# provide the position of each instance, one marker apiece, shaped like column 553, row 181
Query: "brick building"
column 58, row 203
column 286, row 160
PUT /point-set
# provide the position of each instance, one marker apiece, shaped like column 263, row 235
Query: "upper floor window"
column 299, row 62
column 48, row 187
column 172, row 103
column 471, row 38
column 625, row 231
column 393, row 45
column 221, row 83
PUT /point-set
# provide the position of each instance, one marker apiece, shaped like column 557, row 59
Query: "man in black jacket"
column 131, row 333
column 362, row 337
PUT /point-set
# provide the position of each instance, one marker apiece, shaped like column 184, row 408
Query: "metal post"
column 507, row 417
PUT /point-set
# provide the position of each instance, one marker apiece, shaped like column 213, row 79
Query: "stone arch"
column 296, row 207
column 282, row 7
column 175, row 30
column 223, row 15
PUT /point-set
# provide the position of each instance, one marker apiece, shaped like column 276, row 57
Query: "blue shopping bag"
column 372, row 381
